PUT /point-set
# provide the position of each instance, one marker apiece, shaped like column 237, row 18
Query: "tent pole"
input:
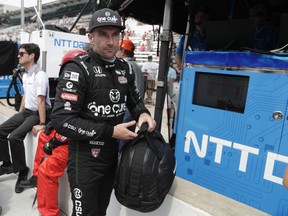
column 164, row 60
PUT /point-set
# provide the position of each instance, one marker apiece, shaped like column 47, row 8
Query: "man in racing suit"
column 93, row 93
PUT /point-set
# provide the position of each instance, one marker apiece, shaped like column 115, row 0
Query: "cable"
column 263, row 52
column 280, row 49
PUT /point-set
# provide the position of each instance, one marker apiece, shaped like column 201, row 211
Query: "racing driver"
column 92, row 95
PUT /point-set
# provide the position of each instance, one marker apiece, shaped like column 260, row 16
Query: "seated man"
column 265, row 35
column 197, row 40
column 34, row 110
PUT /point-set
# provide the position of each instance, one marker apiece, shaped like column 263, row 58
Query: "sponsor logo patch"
column 67, row 106
column 122, row 80
column 69, row 126
column 78, row 203
column 77, row 193
column 95, row 152
column 68, row 96
column 69, row 85
column 70, row 75
column 107, row 18
column 98, row 71
column 95, row 142
column 120, row 72
column 114, row 95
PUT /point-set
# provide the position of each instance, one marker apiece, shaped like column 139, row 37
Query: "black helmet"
column 105, row 17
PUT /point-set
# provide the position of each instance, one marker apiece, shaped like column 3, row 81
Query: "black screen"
column 221, row 91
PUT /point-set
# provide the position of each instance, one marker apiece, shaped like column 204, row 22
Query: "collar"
column 129, row 59
column 101, row 61
column 33, row 69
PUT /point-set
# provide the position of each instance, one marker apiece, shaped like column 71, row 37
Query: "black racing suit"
column 92, row 95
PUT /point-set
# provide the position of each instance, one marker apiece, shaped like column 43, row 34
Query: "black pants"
column 91, row 171
column 13, row 131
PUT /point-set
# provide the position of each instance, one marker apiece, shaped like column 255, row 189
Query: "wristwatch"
column 41, row 123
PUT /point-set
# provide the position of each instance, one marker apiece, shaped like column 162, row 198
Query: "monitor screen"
column 221, row 91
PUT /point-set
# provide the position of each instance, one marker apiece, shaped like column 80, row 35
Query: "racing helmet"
column 71, row 54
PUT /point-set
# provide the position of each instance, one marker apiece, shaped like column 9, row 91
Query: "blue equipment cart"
column 232, row 131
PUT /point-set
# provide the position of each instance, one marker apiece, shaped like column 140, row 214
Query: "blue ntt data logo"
column 69, row 43
column 246, row 153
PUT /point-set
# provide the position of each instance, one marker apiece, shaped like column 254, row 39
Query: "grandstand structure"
column 53, row 10
column 64, row 13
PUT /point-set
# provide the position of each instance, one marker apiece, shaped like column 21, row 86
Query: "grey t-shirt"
column 138, row 75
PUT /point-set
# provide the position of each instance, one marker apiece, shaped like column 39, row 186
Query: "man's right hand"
column 37, row 128
column 122, row 132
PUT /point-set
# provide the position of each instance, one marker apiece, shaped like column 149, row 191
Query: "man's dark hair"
column 32, row 48
column 204, row 9
column 128, row 53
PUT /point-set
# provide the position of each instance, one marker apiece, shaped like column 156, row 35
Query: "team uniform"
column 48, row 169
column 92, row 96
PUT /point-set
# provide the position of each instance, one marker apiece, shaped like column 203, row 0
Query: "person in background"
column 50, row 160
column 92, row 96
column 171, row 78
column 126, row 51
column 197, row 41
column 34, row 110
column 142, row 47
column 285, row 178
column 265, row 35
column 151, row 68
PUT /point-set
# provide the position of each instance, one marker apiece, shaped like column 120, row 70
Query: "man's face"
column 200, row 18
column 105, row 41
column 24, row 57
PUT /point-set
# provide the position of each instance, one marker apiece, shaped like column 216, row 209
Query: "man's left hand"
column 145, row 117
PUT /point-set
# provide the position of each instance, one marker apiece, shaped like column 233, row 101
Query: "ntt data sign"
column 53, row 45
column 66, row 43
column 232, row 129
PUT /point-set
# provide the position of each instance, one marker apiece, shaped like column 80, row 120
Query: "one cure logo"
column 245, row 150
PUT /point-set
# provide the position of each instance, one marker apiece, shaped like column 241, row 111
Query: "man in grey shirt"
column 126, row 51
